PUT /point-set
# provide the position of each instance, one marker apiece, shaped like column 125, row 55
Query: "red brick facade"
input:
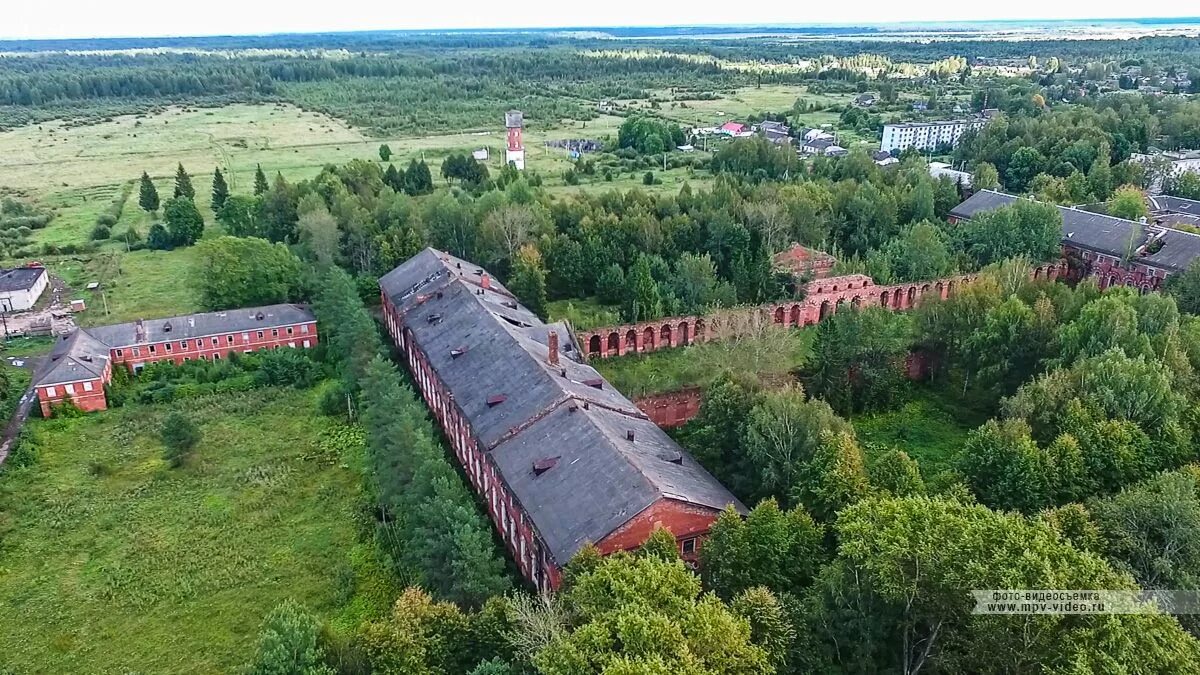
column 673, row 409
column 88, row 394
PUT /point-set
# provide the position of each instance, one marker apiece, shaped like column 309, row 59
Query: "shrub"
column 101, row 232
column 290, row 644
column 106, row 219
column 179, row 436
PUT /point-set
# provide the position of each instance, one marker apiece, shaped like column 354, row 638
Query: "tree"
column 241, row 216
column 528, row 279
column 772, row 548
column 858, row 358
column 641, row 614
column 385, row 152
column 770, row 625
column 179, row 436
column 1128, row 203
column 1185, row 288
column 183, row 221
column 318, row 230
column 835, row 477
column 896, row 473
column 417, row 179
column 243, row 272
column 289, row 643
column 1100, row 176
column 643, row 300
column 148, row 194
column 1005, row 468
column 220, row 190
column 610, row 287
column 1025, row 163
column 920, row 253
column 183, row 184
column 901, row 583
column 1152, row 529
column 782, row 436
column 1025, row 228
column 159, row 238
column 986, row 177
column 260, row 181
column 393, row 178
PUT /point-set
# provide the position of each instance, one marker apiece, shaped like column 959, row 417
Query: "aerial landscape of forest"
column 715, row 349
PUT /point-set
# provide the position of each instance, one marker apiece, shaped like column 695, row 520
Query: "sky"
column 125, row 18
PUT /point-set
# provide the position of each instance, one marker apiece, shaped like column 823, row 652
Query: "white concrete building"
column 21, row 287
column 940, row 169
column 926, row 135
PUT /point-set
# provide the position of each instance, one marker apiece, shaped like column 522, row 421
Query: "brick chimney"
column 139, row 331
column 552, row 345
column 485, row 281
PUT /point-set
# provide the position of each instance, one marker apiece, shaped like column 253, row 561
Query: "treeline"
column 426, row 520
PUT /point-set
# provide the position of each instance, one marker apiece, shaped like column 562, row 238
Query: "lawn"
column 111, row 561
column 771, row 356
column 931, row 426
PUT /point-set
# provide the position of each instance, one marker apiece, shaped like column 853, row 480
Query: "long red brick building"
column 81, row 364
column 560, row 458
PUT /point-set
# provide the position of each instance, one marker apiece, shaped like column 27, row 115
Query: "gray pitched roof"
column 1169, row 204
column 483, row 345
column 75, row 357
column 200, row 325
column 20, row 278
column 1105, row 234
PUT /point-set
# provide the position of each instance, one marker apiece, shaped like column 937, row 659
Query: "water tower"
column 514, row 121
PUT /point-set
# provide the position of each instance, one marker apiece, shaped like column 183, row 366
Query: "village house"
column 80, row 364
column 21, row 287
column 560, row 458
column 1115, row 251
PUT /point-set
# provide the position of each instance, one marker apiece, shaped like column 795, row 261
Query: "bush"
column 290, row 644
column 106, row 219
column 179, row 436
column 100, row 233
column 648, row 179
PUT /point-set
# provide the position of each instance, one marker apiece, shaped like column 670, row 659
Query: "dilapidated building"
column 560, row 458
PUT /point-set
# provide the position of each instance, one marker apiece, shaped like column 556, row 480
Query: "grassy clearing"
column 141, row 284
column 771, row 356
column 931, row 426
column 584, row 314
column 116, row 563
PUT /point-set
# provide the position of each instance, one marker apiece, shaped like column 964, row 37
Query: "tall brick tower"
column 514, row 121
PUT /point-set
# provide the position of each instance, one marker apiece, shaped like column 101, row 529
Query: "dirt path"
column 17, row 422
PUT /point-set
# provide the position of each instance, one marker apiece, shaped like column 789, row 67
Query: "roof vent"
column 543, row 465
column 439, row 295
column 433, row 318
column 573, row 407
column 496, row 400
column 458, row 351
column 260, row 316
column 86, row 357
column 509, row 304
column 167, row 327
column 674, row 457
column 630, row 435
column 595, row 383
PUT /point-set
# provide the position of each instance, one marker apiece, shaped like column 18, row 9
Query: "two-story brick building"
column 1117, row 252
column 560, row 458
column 80, row 364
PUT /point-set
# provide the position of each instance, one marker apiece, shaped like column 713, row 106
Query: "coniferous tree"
column 183, row 184
column 260, row 181
column 220, row 190
column 394, row 178
column 148, row 194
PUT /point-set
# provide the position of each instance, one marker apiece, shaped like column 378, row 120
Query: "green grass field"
column 112, row 562
column 931, row 426
column 770, row 356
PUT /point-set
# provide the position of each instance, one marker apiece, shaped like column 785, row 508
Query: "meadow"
column 111, row 561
